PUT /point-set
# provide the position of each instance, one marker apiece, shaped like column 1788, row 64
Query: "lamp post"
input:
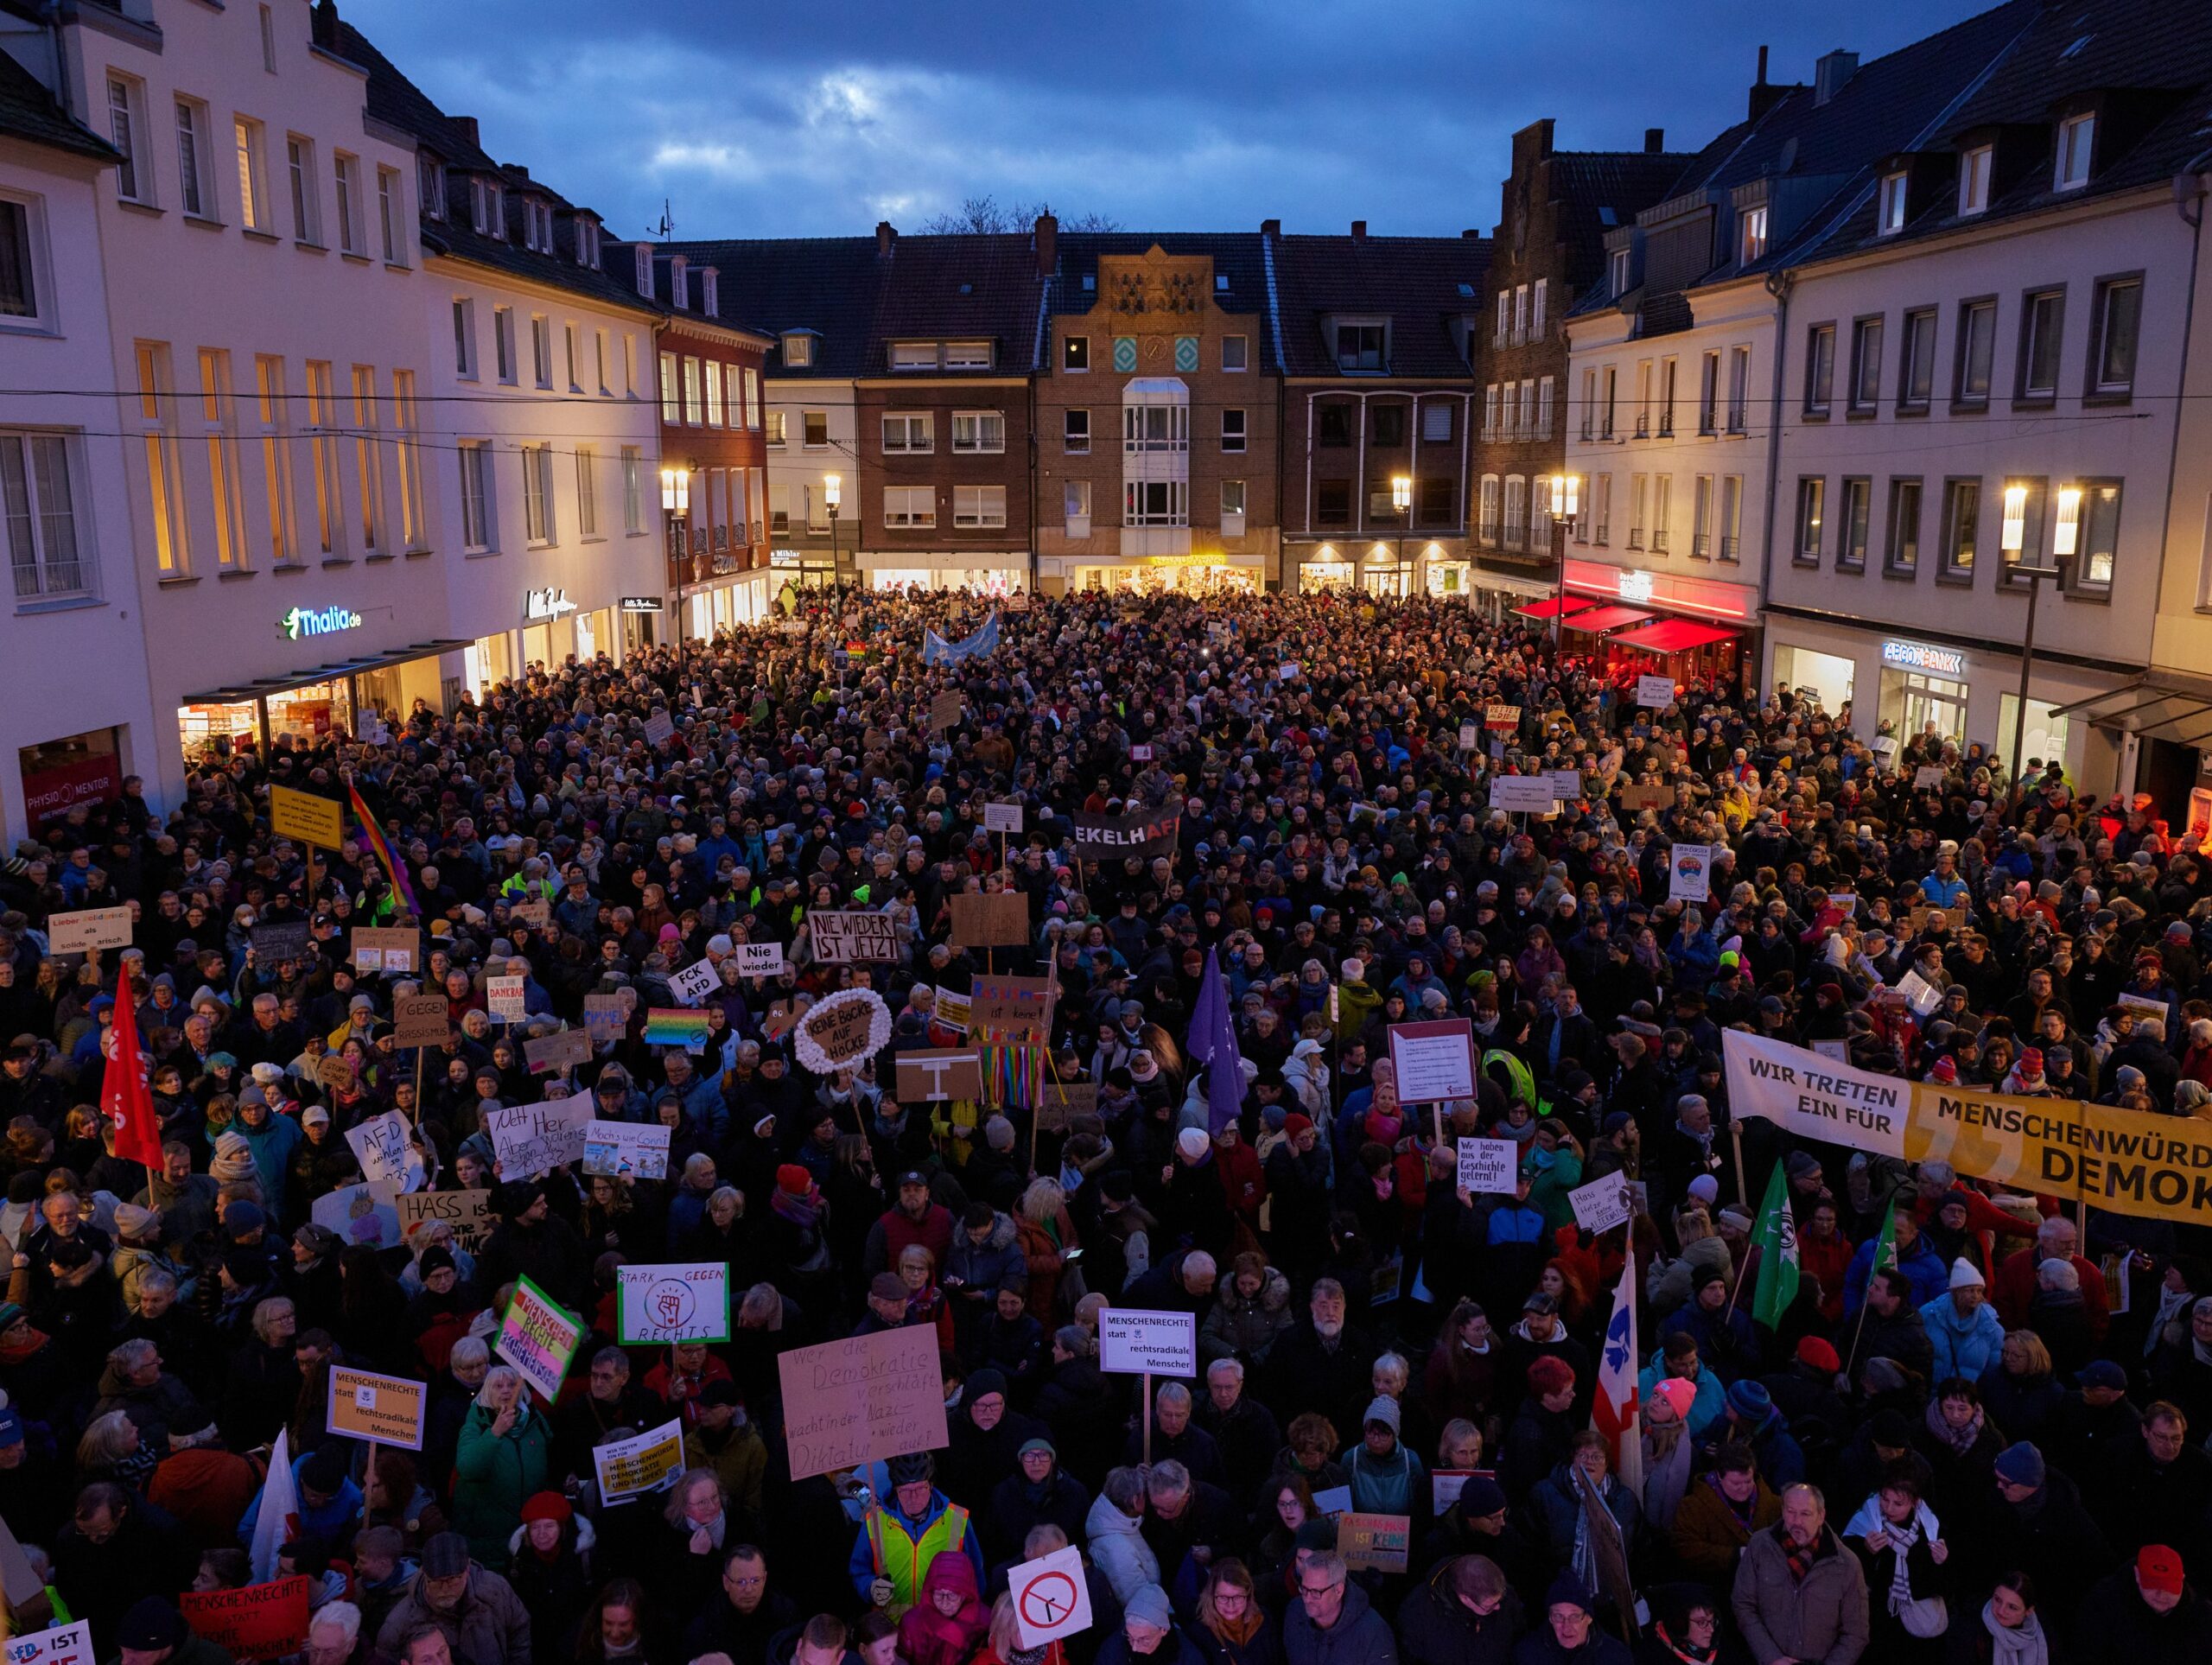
column 832, row 499
column 2014, row 534
column 676, row 507
column 1402, row 503
column 1566, row 500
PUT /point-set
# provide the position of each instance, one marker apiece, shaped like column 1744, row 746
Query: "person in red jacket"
column 2013, row 1288
column 913, row 1219
column 1238, row 1166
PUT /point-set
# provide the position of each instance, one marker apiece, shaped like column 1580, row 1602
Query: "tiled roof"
column 29, row 112
column 1597, row 190
column 966, row 285
column 1421, row 282
column 1237, row 256
column 825, row 284
column 397, row 101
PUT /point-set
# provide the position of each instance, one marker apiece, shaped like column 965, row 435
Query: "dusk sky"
column 820, row 118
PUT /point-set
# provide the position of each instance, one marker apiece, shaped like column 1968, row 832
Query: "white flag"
column 280, row 1507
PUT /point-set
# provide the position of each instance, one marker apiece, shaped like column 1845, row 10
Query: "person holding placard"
column 900, row 1537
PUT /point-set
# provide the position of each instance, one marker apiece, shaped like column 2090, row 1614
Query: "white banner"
column 760, row 959
column 1489, row 1167
column 1689, row 867
column 1522, row 794
column 694, row 983
column 1655, row 693
column 1815, row 1097
column 1132, row 1342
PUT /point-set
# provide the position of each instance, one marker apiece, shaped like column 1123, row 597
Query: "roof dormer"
column 679, row 282
column 710, row 300
column 642, row 271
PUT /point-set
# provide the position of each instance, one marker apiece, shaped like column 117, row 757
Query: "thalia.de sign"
column 310, row 621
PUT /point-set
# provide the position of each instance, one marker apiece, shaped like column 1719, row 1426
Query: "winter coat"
column 1821, row 1621
column 999, row 1258
column 928, row 1638
column 1118, row 1549
column 1436, row 1628
column 1557, row 1504
column 1964, row 1346
column 1244, row 1330
column 493, row 1476
column 1709, row 1534
column 2118, row 1627
column 1358, row 1637
column 490, row 1622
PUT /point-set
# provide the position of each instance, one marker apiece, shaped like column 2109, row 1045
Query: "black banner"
column 1148, row 832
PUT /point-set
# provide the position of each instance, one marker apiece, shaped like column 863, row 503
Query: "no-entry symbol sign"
column 1050, row 1599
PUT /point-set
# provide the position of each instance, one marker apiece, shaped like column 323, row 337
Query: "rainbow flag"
column 675, row 1026
column 381, row 846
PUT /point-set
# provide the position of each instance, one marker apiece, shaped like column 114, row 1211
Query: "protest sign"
column 421, row 1020
column 1006, row 1007
column 1063, row 1099
column 694, row 983
column 1134, row 1342
column 288, row 940
column 1333, row 1501
column 534, row 912
column 643, row 1463
column 658, row 1305
column 637, row 1150
column 1377, row 1543
column 62, row 1644
column 1566, row 785
column 1433, row 1062
column 88, row 928
column 1002, row 817
column 842, row 1031
column 950, row 1011
column 503, row 997
column 2143, row 1006
column 945, row 712
column 862, row 1400
column 760, row 959
column 1602, row 1203
column 547, row 1053
column 538, row 1338
column 1837, row 1050
column 19, row 1580
column 469, row 1212
column 1689, row 873
column 1140, row 832
column 606, row 1017
column 384, row 1147
column 1140, row 754
column 1501, row 719
column 262, row 1621
column 306, row 816
column 392, row 952
column 852, row 936
column 1929, row 777
column 1446, row 1484
column 659, row 729
column 1489, row 1167
column 1522, row 794
column 1921, row 995
column 535, row 1139
column 997, row 920
column 934, row 1077
column 1646, row 797
column 1471, row 736
column 387, row 1409
column 365, row 1213
column 334, row 1070
column 1052, row 1597
column 1812, row 1097
column 1655, row 693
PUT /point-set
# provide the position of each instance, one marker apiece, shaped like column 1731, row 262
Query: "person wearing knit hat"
column 134, row 1222
column 2020, row 1466
column 1944, row 1072
column 232, row 1164
column 1571, row 1612
column 792, row 1179
column 1297, row 1124
column 1818, row 1355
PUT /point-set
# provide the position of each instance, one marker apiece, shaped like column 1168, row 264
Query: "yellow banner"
column 2129, row 1161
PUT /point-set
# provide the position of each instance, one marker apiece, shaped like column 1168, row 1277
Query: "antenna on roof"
column 666, row 229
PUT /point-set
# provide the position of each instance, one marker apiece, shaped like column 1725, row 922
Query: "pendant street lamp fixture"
column 1565, row 492
column 1401, row 504
column 832, row 499
column 676, row 508
column 2011, row 539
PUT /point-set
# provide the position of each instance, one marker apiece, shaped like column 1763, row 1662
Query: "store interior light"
column 2067, row 525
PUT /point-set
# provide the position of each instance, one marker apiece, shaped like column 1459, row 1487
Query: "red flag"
column 125, row 1094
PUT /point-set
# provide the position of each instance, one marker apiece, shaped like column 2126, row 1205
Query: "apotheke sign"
column 309, row 621
column 546, row 604
column 1918, row 656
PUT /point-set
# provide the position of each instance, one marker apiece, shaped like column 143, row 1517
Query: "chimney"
column 322, row 27
column 467, row 126
column 1764, row 96
column 517, row 167
column 1047, row 238
column 1359, row 230
column 1655, row 141
column 1761, row 80
column 1472, row 232
column 1830, row 71
column 1271, row 228
column 885, row 235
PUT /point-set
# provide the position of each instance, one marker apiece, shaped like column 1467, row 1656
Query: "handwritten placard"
column 88, row 928
column 852, row 938
column 421, row 1020
column 538, row 1338
column 862, row 1400
column 996, row 920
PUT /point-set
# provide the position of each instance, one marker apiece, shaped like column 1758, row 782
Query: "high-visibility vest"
column 905, row 1561
column 1524, row 1082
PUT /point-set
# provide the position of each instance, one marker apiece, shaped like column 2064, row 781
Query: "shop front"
column 1698, row 632
column 365, row 697
column 1201, row 572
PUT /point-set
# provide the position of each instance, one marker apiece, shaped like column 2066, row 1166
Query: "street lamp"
column 676, row 507
column 1401, row 501
column 2012, row 537
column 832, row 499
column 1567, row 501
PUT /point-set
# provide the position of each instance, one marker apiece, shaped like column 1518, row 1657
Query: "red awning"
column 1549, row 609
column 1673, row 636
column 1599, row 619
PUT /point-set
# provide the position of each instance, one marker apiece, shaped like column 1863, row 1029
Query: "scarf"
column 1960, row 1440
column 2170, row 1301
column 1901, row 1541
column 1741, row 1512
column 801, row 1212
column 2024, row 1646
column 1683, row 1651
column 1239, row 1634
column 2204, row 1354
column 1797, row 1558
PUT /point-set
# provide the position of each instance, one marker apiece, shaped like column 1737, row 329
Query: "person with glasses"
column 1332, row 1622
column 749, row 1615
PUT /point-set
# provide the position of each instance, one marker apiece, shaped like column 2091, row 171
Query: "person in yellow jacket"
column 899, row 1540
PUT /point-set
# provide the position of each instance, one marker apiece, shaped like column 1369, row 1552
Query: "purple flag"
column 1213, row 1043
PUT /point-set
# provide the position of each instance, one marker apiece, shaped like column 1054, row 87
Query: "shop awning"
column 260, row 688
column 1673, row 636
column 1599, row 619
column 1553, row 608
column 2166, row 707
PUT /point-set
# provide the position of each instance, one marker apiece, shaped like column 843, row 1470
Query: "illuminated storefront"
column 364, row 696
column 1202, row 572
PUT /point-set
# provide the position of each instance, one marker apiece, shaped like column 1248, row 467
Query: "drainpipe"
column 2189, row 203
column 1778, row 284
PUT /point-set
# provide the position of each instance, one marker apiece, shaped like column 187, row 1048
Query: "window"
column 908, row 507
column 752, row 397
column 1663, row 513
column 587, row 249
column 1754, row 234
column 275, row 414
column 1332, row 502
column 1489, row 412
column 487, row 209
column 1613, row 390
column 1075, row 432
column 133, row 180
column 19, row 283
column 1865, row 365
column 38, row 495
column 475, row 495
column 772, row 428
column 1731, row 517
column 1667, row 372
column 430, row 185
column 541, row 360
column 913, row 355
column 1977, row 344
column 1436, row 500
column 1503, row 334
column 1075, row 507
column 537, row 225
column 978, row 431
column 694, row 408
column 1233, row 429
column 268, row 41
column 1540, row 298
column 1075, row 353
column 391, row 205
column 191, row 175
column 1360, row 347
column 1635, row 495
column 253, row 189
column 1236, row 353
column 967, row 355
column 1901, row 548
column 2077, row 135
column 1888, row 212
column 979, row 505
column 464, row 339
column 414, row 521
column 1708, row 395
column 2043, row 328
column 568, row 348
column 1917, row 360
column 798, row 352
column 1820, row 369
column 1436, row 423
column 345, row 173
column 779, row 508
column 586, row 491
column 1851, row 545
column 909, row 432
column 1520, row 312
column 1389, row 426
column 1643, row 399
column 299, row 161
column 1739, row 389
column 1382, row 505
column 368, row 462
column 503, row 341
column 1973, row 180
column 671, row 391
column 815, row 430
column 1544, row 404
column 1487, row 512
column 2117, row 311
column 537, row 493
column 1516, row 513
column 1619, row 273
column 1601, row 509
column 2098, row 541
column 1812, row 506
column 1961, row 525
column 322, row 447
column 1701, row 518
column 1155, row 503
column 1232, row 508
column 1589, row 404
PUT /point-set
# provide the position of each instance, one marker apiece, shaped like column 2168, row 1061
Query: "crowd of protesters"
column 1989, row 1446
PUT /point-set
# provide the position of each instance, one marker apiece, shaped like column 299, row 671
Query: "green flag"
column 1885, row 1246
column 1778, row 1244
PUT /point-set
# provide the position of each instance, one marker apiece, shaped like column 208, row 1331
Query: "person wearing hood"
column 1149, row 1634
column 1465, row 1613
column 1358, row 1000
column 1332, row 1622
column 1962, row 1327
column 946, row 1625
column 1387, row 1479
column 1114, row 1529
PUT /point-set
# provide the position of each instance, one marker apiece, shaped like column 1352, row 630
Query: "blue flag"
column 1213, row 1043
column 937, row 651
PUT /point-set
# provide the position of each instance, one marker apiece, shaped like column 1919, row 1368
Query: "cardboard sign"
column 760, row 959
column 1377, row 1543
column 1008, row 1007
column 1655, row 693
column 694, row 983
column 1051, row 1598
column 88, row 929
column 1132, row 1342
column 388, row 1409
column 658, row 1305
column 383, row 1146
column 945, row 712
column 1434, row 1062
column 392, row 952
column 606, row 1017
column 421, row 1020
column 1689, row 873
column 364, row 1213
column 534, row 913
column 999, row 920
column 1522, row 794
column 469, row 1212
column 1002, row 817
column 840, row 1031
column 934, row 1078
column 637, row 1150
column 1489, row 1168
column 1602, row 1203
column 289, row 939
column 852, row 938
column 1501, row 719
column 548, row 1053
column 334, row 1070
column 1064, row 1099
column 1471, row 737
column 862, row 1400
column 660, row 728
column 306, row 816
column 503, row 996
column 1635, row 798
column 644, row 1463
column 1927, row 777
column 538, row 1338
column 262, row 1621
